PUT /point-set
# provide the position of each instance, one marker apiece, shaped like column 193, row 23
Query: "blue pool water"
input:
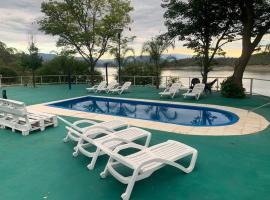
column 161, row 112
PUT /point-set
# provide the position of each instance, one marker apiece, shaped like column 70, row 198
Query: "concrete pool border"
column 249, row 122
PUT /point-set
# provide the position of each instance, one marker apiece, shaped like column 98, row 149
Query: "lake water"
column 259, row 86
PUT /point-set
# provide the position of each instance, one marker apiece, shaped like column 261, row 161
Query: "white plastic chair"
column 171, row 91
column 75, row 130
column 121, row 89
column 97, row 87
column 112, row 85
column 109, row 141
column 146, row 161
column 196, row 91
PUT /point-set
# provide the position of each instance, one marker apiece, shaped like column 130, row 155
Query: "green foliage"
column 155, row 48
column 32, row 61
column 7, row 72
column 139, row 69
column 127, row 53
column 230, row 89
column 205, row 25
column 87, row 27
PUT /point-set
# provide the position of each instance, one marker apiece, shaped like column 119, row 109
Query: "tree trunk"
column 34, row 78
column 206, row 66
column 157, row 75
column 240, row 67
column 92, row 73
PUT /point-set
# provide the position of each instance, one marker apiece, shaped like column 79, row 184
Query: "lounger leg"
column 191, row 165
column 104, row 174
column 94, row 160
column 126, row 195
column 192, row 162
column 65, row 140
column 76, row 148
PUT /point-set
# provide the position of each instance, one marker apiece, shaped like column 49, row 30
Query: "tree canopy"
column 85, row 26
column 205, row 26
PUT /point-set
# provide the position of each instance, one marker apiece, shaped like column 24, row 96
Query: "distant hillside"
column 256, row 59
column 48, row 57
column 184, row 60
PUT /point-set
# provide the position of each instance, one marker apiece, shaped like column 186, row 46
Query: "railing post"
column 152, row 80
column 134, row 77
column 76, row 79
column 59, row 79
column 21, row 80
column 251, row 86
column 189, row 82
column 41, row 80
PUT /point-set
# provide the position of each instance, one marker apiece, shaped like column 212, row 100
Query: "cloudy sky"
column 17, row 17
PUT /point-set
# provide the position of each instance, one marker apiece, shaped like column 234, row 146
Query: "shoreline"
column 250, row 68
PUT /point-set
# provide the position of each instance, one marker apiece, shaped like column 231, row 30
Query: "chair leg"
column 66, row 138
column 94, row 160
column 126, row 195
column 76, row 148
column 105, row 173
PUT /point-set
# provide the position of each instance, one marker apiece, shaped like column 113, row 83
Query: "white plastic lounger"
column 171, row 91
column 97, row 87
column 196, row 91
column 14, row 115
column 112, row 85
column 121, row 89
column 147, row 161
column 109, row 141
column 75, row 131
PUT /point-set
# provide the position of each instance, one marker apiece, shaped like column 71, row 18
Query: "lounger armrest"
column 98, row 127
column 69, row 124
column 83, row 122
column 127, row 146
column 115, row 139
column 95, row 130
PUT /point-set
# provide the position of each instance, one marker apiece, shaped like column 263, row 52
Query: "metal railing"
column 252, row 85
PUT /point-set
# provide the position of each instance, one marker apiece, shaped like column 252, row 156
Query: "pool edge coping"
column 248, row 123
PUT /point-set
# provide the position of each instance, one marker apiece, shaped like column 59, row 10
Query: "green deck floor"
column 41, row 166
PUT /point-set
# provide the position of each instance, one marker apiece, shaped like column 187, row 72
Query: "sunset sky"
column 17, row 16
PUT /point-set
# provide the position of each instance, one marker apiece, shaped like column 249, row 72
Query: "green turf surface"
column 41, row 166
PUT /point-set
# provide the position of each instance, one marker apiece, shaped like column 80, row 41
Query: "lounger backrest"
column 15, row 108
column 198, row 88
column 175, row 87
column 126, row 85
column 102, row 85
column 112, row 85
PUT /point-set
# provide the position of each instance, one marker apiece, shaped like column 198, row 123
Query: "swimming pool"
column 162, row 112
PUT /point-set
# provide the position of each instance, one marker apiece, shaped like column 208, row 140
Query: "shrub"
column 231, row 90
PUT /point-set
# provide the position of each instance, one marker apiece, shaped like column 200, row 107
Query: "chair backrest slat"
column 198, row 88
column 175, row 87
column 15, row 108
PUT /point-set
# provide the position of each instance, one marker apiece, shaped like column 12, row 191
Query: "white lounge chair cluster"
column 196, row 92
column 174, row 89
column 112, row 137
column 14, row 115
column 112, row 87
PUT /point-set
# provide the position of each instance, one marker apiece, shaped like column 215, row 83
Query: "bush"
column 231, row 90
